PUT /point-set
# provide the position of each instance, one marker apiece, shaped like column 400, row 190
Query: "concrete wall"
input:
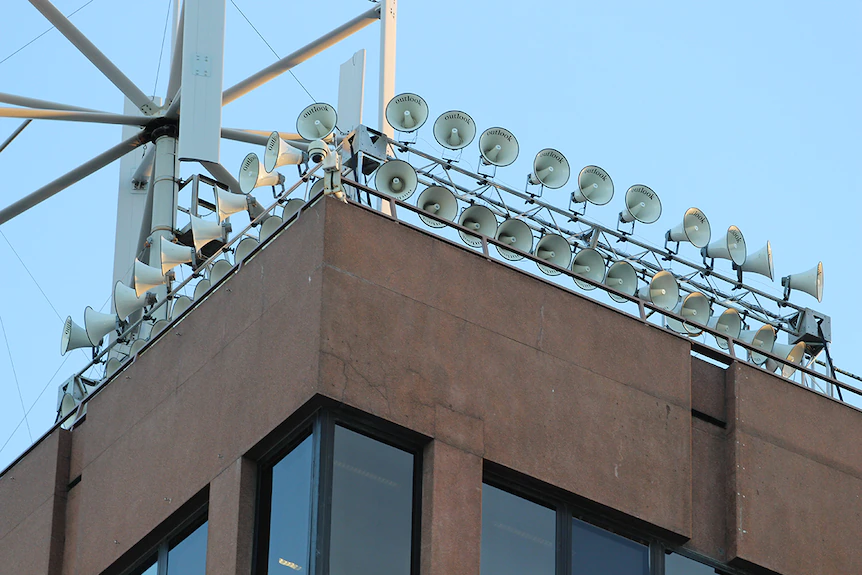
column 494, row 365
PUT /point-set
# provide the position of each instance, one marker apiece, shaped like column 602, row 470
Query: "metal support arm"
column 71, row 116
column 42, row 104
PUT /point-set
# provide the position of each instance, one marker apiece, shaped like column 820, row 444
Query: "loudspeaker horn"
column 127, row 301
column 204, row 232
column 730, row 247
column 554, row 249
column 760, row 262
column 67, row 405
column 73, row 337
column 642, row 204
column 590, row 264
column 182, row 303
column 202, row 287
column 696, row 308
column 662, row 291
column 229, row 203
column 762, row 339
column 270, row 226
column 811, row 282
column 280, row 153
column 147, row 278
column 794, row 353
column 173, row 254
column 245, row 247
column 623, row 277
column 439, row 201
column 316, row 121
column 406, row 112
column 251, row 176
column 219, row 270
column 551, row 169
column 454, row 130
column 594, row 186
column 516, row 233
column 727, row 322
column 293, row 205
column 397, row 179
column 479, row 219
column 694, row 228
column 498, row 147
column 98, row 325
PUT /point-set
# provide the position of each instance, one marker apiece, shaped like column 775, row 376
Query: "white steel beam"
column 388, row 21
column 41, row 104
column 94, row 55
column 72, row 177
column 176, row 61
column 220, row 173
column 201, row 80
column 71, row 116
column 276, row 69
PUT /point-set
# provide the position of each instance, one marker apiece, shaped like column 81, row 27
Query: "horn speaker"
column 454, row 130
column 127, row 301
column 245, row 247
column 760, row 262
column 762, row 339
column 623, row 277
column 727, row 322
column 251, row 176
column 498, row 147
column 73, row 337
column 280, row 153
column 479, row 219
column 147, row 278
column 407, row 112
column 98, row 325
column 811, row 282
column 517, row 234
column 554, row 249
column 594, row 186
column 696, row 308
column 204, row 232
column 662, row 291
column 794, row 354
column 316, row 121
column 694, row 228
column 590, row 264
column 550, row 168
column 172, row 255
column 730, row 247
column 642, row 204
column 397, row 179
column 439, row 201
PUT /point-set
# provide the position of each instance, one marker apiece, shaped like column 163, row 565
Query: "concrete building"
column 363, row 397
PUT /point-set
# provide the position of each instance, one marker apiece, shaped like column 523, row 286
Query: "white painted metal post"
column 388, row 21
column 165, row 187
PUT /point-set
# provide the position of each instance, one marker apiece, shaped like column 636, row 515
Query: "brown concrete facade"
column 493, row 365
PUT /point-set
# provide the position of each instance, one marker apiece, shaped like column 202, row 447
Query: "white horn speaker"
column 396, row 178
column 202, row 287
column 74, row 336
column 136, row 346
column 594, row 186
column 760, row 262
column 551, row 169
column 727, row 322
column 127, row 301
column 173, row 254
column 280, row 153
column 251, row 176
column 316, row 121
column 293, row 205
column 479, row 219
column 454, row 130
column 623, row 277
column 245, row 247
column 696, row 308
column 112, row 366
column 811, row 282
column 269, row 227
column 498, row 147
column 662, row 291
column 554, row 249
column 642, row 204
column 590, row 264
column 147, row 278
column 229, row 203
column 694, row 228
column 793, row 353
column 219, row 270
column 762, row 339
column 516, row 233
column 181, row 304
column 67, row 405
column 439, row 201
column 406, row 112
column 98, row 325
column 204, row 232
column 730, row 247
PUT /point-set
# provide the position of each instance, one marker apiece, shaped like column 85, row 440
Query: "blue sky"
column 749, row 111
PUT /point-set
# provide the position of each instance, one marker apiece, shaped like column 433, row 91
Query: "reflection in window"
column 372, row 507
column 595, row 550
column 517, row 535
column 290, row 518
column 188, row 556
column 678, row 565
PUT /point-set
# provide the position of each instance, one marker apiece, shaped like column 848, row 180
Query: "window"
column 343, row 498
column 678, row 565
column 185, row 553
column 595, row 550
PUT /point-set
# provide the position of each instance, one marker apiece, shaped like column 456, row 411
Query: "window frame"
column 320, row 424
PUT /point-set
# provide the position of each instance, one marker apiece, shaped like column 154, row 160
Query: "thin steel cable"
column 45, row 32
column 162, row 49
column 17, row 385
column 34, row 403
column 271, row 49
column 31, row 275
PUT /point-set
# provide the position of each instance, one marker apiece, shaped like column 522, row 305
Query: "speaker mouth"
column 441, row 202
column 643, row 204
column 595, row 178
column 498, row 147
column 516, row 233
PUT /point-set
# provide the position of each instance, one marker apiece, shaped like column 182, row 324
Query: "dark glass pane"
column 189, row 556
column 149, row 567
column 372, row 507
column 290, row 512
column 678, row 565
column 517, row 535
column 596, row 551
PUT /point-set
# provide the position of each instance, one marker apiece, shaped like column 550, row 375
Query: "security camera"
column 317, row 150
